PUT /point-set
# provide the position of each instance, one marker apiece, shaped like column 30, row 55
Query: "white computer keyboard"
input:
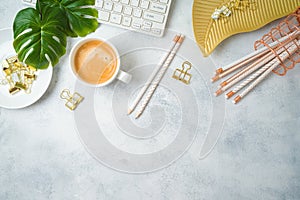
column 146, row 16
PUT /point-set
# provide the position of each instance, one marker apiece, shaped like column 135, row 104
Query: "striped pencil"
column 153, row 75
column 283, row 56
column 226, row 70
column 250, row 69
column 159, row 77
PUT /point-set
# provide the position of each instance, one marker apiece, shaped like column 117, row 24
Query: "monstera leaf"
column 40, row 34
column 39, row 38
column 81, row 19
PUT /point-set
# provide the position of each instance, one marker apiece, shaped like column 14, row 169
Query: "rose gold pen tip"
column 138, row 115
column 218, row 92
column 214, row 79
column 229, row 94
column 129, row 111
column 223, row 84
column 237, row 99
column 219, row 71
column 182, row 37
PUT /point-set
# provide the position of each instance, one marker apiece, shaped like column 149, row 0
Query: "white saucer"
column 39, row 87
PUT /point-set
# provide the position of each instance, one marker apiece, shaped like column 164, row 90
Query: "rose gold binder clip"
column 72, row 100
column 182, row 74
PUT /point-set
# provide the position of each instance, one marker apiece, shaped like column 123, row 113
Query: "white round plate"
column 39, row 87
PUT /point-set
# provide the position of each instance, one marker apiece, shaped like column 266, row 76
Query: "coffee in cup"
column 96, row 62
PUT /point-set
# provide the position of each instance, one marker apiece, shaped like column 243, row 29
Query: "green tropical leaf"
column 80, row 15
column 39, row 38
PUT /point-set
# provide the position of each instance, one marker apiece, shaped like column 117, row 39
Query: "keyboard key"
column 146, row 16
column 103, row 15
column 118, row 8
column 137, row 12
column 163, row 1
column 156, row 31
column 136, row 25
column 153, row 17
column 125, row 1
column 108, row 5
column 146, row 23
column 115, row 18
column 126, row 21
column 145, row 4
column 135, row 3
column 146, row 28
column 99, row 3
column 158, row 7
column 127, row 10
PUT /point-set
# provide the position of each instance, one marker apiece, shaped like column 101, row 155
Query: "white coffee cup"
column 118, row 74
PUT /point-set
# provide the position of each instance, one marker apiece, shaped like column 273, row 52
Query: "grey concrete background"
column 257, row 156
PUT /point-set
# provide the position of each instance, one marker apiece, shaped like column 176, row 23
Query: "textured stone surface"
column 257, row 156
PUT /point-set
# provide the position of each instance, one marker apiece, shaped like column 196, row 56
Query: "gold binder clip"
column 72, row 100
column 18, row 75
column 182, row 74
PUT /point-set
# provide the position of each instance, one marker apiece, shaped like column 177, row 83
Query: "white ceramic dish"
column 39, row 87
